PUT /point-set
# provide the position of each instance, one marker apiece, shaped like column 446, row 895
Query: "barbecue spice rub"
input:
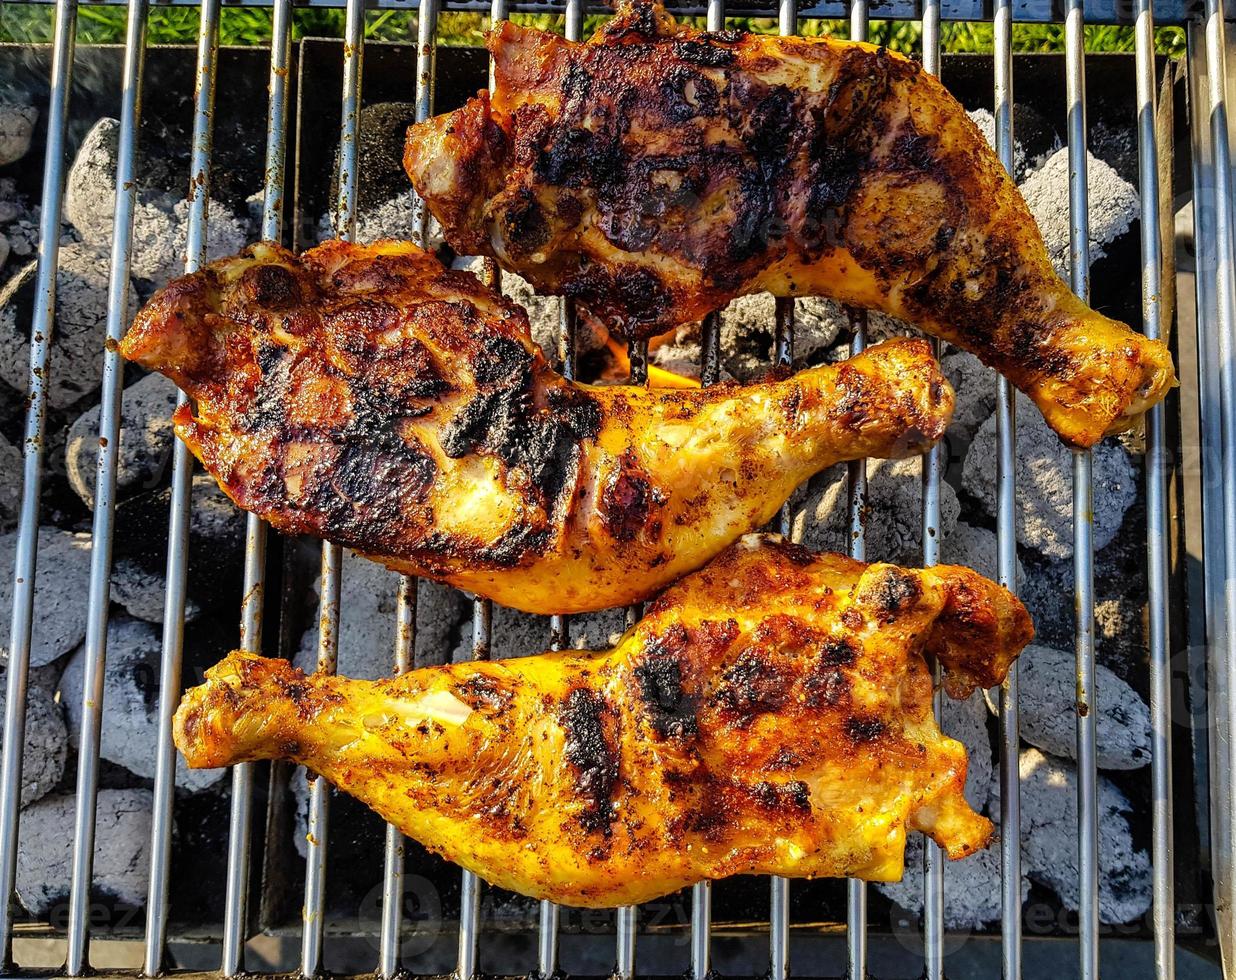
column 657, row 171
column 368, row 395
column 770, row 714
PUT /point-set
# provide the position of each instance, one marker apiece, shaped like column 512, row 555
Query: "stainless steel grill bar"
column 856, row 889
column 393, row 865
column 406, row 598
column 313, row 914
column 41, row 327
column 482, row 626
column 178, row 521
column 783, row 353
column 1156, row 509
column 1210, row 430
column 933, row 463
column 1006, row 548
column 254, row 598
column 710, row 364
column 626, row 918
column 1083, row 517
column 1225, row 310
column 470, row 886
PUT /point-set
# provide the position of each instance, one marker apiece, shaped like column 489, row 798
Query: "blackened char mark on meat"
column 628, row 501
column 893, row 593
column 363, row 497
column 594, row 762
column 689, row 94
column 703, row 54
column 669, row 708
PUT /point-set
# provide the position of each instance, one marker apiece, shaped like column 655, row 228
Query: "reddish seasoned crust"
column 367, row 395
column 656, row 172
column 770, row 714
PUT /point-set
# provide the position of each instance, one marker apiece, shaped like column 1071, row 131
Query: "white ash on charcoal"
column 76, row 365
column 46, row 743
column 986, row 123
column 976, row 548
column 368, row 594
column 130, row 734
column 12, row 204
column 1049, row 710
column 893, row 519
column 146, row 440
column 121, row 849
column 1044, row 475
column 1113, row 206
column 519, row 634
column 1049, row 838
column 160, row 218
column 60, row 588
column 17, row 122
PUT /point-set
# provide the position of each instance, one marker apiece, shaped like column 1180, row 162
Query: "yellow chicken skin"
column 770, row 714
column 656, row 171
column 368, row 395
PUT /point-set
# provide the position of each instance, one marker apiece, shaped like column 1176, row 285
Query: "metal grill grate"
column 1210, row 55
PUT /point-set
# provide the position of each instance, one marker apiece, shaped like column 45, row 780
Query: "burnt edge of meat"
column 591, row 757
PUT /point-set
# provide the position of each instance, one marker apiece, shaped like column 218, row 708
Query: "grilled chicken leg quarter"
column 771, row 714
column 368, row 395
column 657, row 171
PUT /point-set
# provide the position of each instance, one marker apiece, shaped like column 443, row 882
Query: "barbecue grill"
column 1199, row 497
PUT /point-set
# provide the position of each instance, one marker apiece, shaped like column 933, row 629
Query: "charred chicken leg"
column 771, row 714
column 372, row 397
column 657, row 171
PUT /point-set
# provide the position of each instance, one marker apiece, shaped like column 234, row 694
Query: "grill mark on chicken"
column 605, row 778
column 657, row 171
column 591, row 757
column 402, row 409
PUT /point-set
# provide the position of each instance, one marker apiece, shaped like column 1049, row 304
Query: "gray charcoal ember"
column 520, row 634
column 975, row 547
column 146, row 440
column 121, row 849
column 5, row 250
column 160, row 238
column 975, row 387
column 142, row 592
column 17, row 122
column 1044, row 475
column 23, row 236
column 1049, row 838
column 76, row 367
column 1113, row 206
column 10, row 483
column 46, row 742
column 61, row 584
column 368, row 595
column 893, row 525
column 1049, row 710
column 130, row 734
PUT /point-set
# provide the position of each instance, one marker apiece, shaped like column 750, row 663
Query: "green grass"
column 97, row 24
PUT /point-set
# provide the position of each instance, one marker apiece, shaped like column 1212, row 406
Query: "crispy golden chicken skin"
column 372, row 397
column 657, row 171
column 771, row 714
